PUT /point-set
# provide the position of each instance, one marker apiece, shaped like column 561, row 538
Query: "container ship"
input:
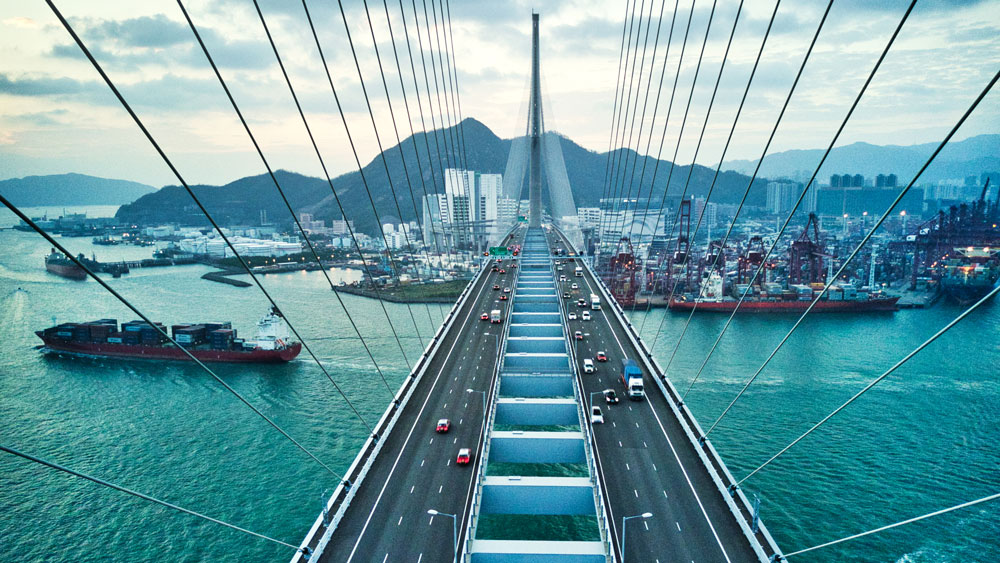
column 773, row 298
column 59, row 265
column 209, row 342
column 970, row 276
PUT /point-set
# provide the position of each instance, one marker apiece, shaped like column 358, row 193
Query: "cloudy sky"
column 56, row 115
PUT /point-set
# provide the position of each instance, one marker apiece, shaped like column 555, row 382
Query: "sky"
column 57, row 115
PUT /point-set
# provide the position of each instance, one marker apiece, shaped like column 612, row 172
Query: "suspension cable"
column 281, row 191
column 854, row 253
column 399, row 143
column 680, row 135
column 897, row 524
column 423, row 123
column 670, row 106
column 729, row 138
column 187, row 187
column 455, row 91
column 622, row 168
column 697, row 149
column 621, row 153
column 31, row 223
column 774, row 130
column 875, row 381
column 616, row 105
column 143, row 496
column 385, row 164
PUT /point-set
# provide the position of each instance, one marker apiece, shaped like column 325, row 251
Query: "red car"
column 502, row 271
column 464, row 455
column 601, row 357
column 484, row 317
column 443, row 426
column 503, row 297
column 496, row 287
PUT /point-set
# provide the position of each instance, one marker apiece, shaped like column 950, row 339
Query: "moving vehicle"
column 562, row 278
column 443, row 426
column 581, row 302
column 484, row 317
column 596, row 416
column 571, row 316
column 588, row 366
column 496, row 269
column 602, row 357
column 631, row 378
column 574, row 286
column 579, row 271
column 595, row 302
column 578, row 335
column 610, row 397
column 495, row 316
column 464, row 456
column 496, row 287
column 585, row 316
column 506, row 290
column 565, row 295
column 503, row 297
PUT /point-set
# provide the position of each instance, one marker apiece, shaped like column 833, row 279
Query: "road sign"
column 499, row 251
column 522, row 219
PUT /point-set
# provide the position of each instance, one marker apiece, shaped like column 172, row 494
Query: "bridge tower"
column 535, row 134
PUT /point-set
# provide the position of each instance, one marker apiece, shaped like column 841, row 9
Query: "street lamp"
column 592, row 393
column 454, row 528
column 483, row 393
column 644, row 515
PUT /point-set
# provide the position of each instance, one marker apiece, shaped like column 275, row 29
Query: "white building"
column 213, row 245
column 339, row 227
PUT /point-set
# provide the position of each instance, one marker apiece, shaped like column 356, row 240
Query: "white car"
column 596, row 416
column 588, row 366
column 572, row 315
column 585, row 316
column 575, row 286
column 562, row 278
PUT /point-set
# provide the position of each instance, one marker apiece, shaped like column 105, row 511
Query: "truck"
column 579, row 271
column 632, row 379
column 495, row 316
column 595, row 302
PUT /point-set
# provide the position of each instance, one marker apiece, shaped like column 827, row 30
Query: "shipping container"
column 114, row 340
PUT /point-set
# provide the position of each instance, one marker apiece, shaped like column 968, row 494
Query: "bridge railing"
column 338, row 503
column 739, row 505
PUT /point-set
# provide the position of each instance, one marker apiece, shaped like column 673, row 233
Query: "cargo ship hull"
column 67, row 270
column 823, row 306
column 160, row 352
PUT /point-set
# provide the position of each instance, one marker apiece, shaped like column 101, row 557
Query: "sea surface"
column 924, row 439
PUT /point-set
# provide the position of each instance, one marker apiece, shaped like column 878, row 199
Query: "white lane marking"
column 413, row 427
column 646, row 524
column 400, row 521
column 670, row 443
column 432, row 441
column 431, row 522
column 422, row 462
column 466, row 406
column 440, row 488
column 450, row 391
column 654, row 467
column 627, row 468
column 636, row 493
column 620, row 444
column 456, row 441
column 665, row 494
column 613, row 423
column 460, row 420
column 386, row 558
column 637, row 425
column 678, row 526
column 445, row 406
column 421, row 556
column 644, row 444
column 411, row 489
column 449, row 462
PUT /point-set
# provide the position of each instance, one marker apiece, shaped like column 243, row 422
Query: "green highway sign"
column 499, row 251
column 522, row 219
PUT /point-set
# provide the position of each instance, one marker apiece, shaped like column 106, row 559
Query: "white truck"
column 495, row 316
column 595, row 302
column 579, row 271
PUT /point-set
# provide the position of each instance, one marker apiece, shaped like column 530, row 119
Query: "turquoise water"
column 923, row 440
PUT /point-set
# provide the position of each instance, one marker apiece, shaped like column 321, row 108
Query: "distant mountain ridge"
column 958, row 159
column 243, row 201
column 71, row 189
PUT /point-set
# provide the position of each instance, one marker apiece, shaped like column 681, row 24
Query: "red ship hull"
column 111, row 350
column 71, row 271
column 823, row 306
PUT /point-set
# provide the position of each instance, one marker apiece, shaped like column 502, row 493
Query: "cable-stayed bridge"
column 517, row 368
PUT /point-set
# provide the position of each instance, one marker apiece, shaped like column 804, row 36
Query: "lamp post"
column 644, row 515
column 592, row 398
column 454, row 529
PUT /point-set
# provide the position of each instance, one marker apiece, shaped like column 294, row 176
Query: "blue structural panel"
column 538, row 495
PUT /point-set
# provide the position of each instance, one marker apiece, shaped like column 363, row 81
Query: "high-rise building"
column 781, row 195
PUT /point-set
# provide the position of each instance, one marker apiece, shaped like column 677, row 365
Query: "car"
column 610, row 397
column 484, row 317
column 596, row 416
column 575, row 286
column 503, row 297
column 578, row 335
column 562, row 278
column 588, row 366
column 502, row 271
column 513, row 265
column 572, row 315
column 506, row 290
column 443, row 426
column 560, row 268
column 565, row 295
column 585, row 316
column 496, row 287
column 581, row 302
column 602, row 357
column 496, row 269
column 465, row 454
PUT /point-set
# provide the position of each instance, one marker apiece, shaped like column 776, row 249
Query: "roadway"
column 416, row 470
column 645, row 460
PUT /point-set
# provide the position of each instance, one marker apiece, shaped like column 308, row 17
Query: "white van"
column 588, row 366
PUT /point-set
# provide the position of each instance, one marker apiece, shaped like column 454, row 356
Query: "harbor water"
column 924, row 439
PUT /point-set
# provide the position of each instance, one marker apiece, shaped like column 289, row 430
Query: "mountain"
column 243, row 200
column 958, row 159
column 71, row 189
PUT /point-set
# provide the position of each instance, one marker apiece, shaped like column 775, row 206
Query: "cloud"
column 22, row 22
column 42, row 86
column 148, row 31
